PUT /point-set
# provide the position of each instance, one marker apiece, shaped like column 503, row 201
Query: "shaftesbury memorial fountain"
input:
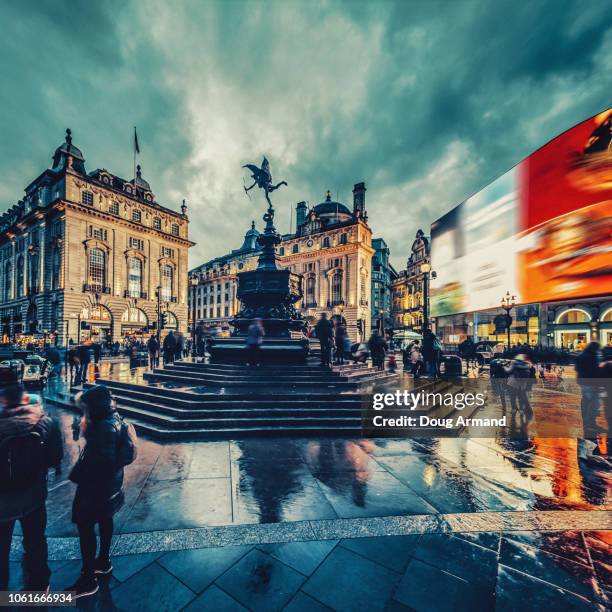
column 268, row 293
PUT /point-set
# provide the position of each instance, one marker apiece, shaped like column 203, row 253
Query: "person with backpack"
column 30, row 444
column 110, row 444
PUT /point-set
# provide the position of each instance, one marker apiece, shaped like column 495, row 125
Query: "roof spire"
column 253, row 224
column 184, row 207
column 68, row 137
column 138, row 171
column 328, row 196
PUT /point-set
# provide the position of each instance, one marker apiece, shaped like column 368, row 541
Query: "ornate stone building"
column 86, row 254
column 407, row 288
column 383, row 275
column 215, row 295
column 331, row 247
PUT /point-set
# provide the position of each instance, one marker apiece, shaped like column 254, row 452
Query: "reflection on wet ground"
column 193, row 484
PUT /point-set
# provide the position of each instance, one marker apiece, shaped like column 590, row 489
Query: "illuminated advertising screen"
column 542, row 231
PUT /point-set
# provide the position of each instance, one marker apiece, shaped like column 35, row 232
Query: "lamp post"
column 427, row 272
column 194, row 285
column 508, row 302
column 158, row 295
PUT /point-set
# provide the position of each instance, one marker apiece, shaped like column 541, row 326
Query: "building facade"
column 216, row 301
column 331, row 248
column 90, row 255
column 383, row 275
column 408, row 287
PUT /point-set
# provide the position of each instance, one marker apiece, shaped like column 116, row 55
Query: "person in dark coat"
column 97, row 351
column 22, row 420
column 467, row 350
column 84, row 355
column 378, row 349
column 99, row 477
column 499, row 380
column 432, row 353
column 587, row 377
column 180, row 345
column 153, row 348
column 73, row 363
column 325, row 334
column 521, row 374
column 340, row 342
column 169, row 347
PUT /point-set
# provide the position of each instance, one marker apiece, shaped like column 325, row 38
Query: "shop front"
column 95, row 323
column 134, row 323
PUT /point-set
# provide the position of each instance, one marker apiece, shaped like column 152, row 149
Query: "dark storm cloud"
column 425, row 101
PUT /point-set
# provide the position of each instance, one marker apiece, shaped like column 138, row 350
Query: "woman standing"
column 99, row 476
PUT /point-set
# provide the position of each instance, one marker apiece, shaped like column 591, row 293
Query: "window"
column 96, row 270
column 310, row 291
column 281, row 252
column 137, row 216
column 157, row 223
column 336, row 288
column 175, row 229
column 97, row 232
column 167, row 252
column 113, row 209
column 8, row 282
column 167, row 282
column 19, row 287
column 136, row 243
column 134, row 277
column 134, row 315
column 56, row 262
column 34, row 269
column 87, row 198
column 295, row 248
column 343, row 239
column 326, row 242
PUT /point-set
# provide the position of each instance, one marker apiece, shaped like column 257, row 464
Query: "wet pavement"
column 340, row 500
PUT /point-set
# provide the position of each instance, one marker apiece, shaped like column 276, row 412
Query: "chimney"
column 300, row 214
column 359, row 199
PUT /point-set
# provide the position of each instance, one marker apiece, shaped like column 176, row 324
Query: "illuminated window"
column 167, row 282
column 573, row 316
column 336, row 288
column 56, row 262
column 8, row 282
column 136, row 216
column 310, row 290
column 19, row 287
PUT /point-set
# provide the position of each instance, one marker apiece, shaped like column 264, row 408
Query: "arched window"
column 19, row 287
column 343, row 239
column 573, row 316
column 56, row 262
column 8, row 282
column 281, row 251
column 167, row 282
column 326, row 242
column 295, row 248
column 171, row 321
column 96, row 272
column 134, row 277
column 336, row 289
column 134, row 315
column 310, row 292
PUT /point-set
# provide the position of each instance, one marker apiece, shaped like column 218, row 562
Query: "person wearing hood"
column 99, row 477
column 169, row 346
column 30, row 443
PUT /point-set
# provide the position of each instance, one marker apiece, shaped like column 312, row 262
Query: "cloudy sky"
column 424, row 101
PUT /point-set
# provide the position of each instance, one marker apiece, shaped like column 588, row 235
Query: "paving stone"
column 125, row 566
column 393, row 552
column 570, row 576
column 152, row 589
column 425, row 588
column 567, row 544
column 518, row 591
column 199, row 568
column 304, row 557
column 261, row 582
column 347, row 581
column 213, row 598
column 488, row 540
column 461, row 558
column 303, row 603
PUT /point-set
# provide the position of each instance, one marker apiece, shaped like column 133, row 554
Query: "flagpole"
column 135, row 160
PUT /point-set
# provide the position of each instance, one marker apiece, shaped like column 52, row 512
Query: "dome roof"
column 329, row 207
column 67, row 148
column 140, row 182
column 250, row 239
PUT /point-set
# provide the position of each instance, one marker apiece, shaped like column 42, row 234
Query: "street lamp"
column 427, row 272
column 194, row 285
column 508, row 302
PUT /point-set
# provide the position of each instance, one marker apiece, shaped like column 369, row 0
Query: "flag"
column 136, row 147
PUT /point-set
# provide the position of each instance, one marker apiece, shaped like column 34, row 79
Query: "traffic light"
column 360, row 325
column 164, row 319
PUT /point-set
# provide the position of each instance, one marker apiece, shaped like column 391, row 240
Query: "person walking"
column 255, row 336
column 325, row 334
column 432, row 352
column 416, row 359
column 521, row 375
column 73, row 363
column 588, row 379
column 467, row 350
column 97, row 352
column 378, row 349
column 153, row 348
column 98, row 475
column 84, row 356
column 169, row 346
column 499, row 381
column 30, row 444
column 340, row 343
column 180, row 345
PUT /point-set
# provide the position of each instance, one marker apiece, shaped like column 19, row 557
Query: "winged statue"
column 262, row 178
